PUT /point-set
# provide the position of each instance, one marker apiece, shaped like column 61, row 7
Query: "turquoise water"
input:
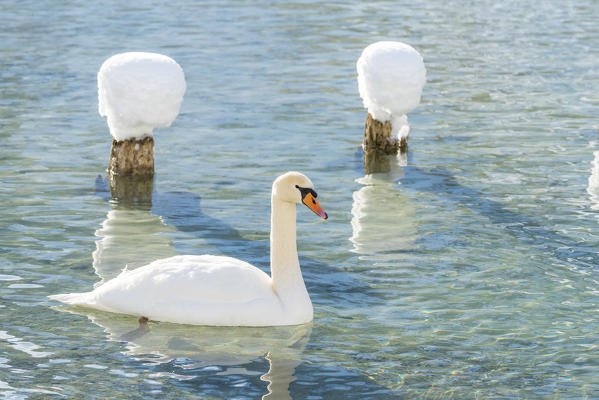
column 469, row 271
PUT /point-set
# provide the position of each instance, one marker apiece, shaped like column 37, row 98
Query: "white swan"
column 215, row 290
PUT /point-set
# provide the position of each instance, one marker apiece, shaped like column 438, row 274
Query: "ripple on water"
column 470, row 270
column 21, row 345
column 24, row 286
column 9, row 277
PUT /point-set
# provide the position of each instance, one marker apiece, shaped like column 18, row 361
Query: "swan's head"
column 294, row 187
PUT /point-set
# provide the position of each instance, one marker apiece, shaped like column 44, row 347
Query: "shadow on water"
column 523, row 227
column 182, row 211
column 526, row 228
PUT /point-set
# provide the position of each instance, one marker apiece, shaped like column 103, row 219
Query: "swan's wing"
column 182, row 281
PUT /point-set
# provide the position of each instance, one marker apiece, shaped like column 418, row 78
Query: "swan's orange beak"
column 310, row 200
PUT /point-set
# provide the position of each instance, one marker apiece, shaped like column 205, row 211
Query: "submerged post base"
column 132, row 191
column 377, row 136
column 134, row 157
column 376, row 161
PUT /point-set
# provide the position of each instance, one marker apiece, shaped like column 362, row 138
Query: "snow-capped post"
column 391, row 76
column 138, row 92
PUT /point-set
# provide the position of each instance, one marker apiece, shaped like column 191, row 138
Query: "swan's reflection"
column 593, row 186
column 382, row 219
column 158, row 343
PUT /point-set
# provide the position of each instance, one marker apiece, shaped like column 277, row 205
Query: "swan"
column 217, row 290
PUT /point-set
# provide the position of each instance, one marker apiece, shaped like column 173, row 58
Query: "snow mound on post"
column 391, row 76
column 138, row 92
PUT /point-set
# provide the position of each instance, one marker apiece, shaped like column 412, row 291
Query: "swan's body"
column 214, row 290
column 199, row 290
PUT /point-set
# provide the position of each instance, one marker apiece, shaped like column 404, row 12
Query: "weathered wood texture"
column 377, row 135
column 133, row 157
column 403, row 144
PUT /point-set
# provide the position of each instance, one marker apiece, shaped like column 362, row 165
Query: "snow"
column 391, row 76
column 138, row 92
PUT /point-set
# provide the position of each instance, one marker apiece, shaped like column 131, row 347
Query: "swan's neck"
column 284, row 264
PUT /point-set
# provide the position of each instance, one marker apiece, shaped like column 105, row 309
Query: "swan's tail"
column 75, row 299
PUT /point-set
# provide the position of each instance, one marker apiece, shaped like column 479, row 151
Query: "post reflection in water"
column 382, row 219
column 132, row 236
column 376, row 161
column 129, row 238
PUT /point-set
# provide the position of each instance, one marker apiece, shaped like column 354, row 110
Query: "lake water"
column 470, row 270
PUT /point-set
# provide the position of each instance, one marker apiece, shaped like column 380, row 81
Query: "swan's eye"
column 306, row 191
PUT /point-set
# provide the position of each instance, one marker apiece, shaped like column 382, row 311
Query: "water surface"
column 469, row 270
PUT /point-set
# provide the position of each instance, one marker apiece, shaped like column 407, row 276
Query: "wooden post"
column 379, row 145
column 134, row 157
column 131, row 172
column 377, row 135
